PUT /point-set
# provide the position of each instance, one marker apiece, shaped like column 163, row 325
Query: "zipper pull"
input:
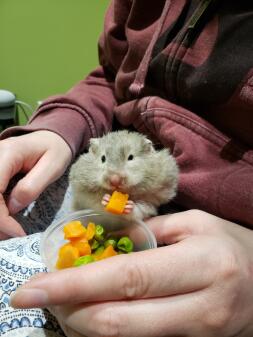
column 199, row 12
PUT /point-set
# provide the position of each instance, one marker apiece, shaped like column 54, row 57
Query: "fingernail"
column 14, row 206
column 29, row 298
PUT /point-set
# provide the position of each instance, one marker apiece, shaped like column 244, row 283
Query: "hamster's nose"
column 115, row 180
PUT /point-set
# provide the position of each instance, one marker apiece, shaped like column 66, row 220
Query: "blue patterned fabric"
column 20, row 259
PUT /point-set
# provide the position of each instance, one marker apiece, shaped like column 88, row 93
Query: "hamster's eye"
column 130, row 157
column 103, row 158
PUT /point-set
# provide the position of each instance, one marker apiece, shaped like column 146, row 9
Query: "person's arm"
column 59, row 130
column 83, row 112
column 86, row 110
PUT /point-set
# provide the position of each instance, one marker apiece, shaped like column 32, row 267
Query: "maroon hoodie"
column 181, row 72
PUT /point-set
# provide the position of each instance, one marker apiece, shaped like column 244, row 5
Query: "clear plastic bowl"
column 53, row 237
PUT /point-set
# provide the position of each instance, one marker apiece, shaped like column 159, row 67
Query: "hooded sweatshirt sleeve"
column 86, row 110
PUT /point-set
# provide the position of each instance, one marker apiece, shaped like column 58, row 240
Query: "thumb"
column 28, row 189
column 172, row 228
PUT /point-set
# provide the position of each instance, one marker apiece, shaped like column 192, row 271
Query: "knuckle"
column 219, row 319
column 196, row 212
column 221, row 310
column 134, row 281
column 108, row 322
column 229, row 268
column 26, row 190
column 201, row 219
column 6, row 148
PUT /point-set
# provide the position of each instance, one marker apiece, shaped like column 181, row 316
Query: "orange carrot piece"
column 74, row 229
column 67, row 256
column 82, row 245
column 117, row 202
column 108, row 252
column 91, row 230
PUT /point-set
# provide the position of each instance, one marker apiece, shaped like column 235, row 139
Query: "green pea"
column 99, row 233
column 110, row 241
column 94, row 244
column 99, row 250
column 125, row 244
column 83, row 260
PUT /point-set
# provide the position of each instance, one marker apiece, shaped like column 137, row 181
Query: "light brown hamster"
column 127, row 162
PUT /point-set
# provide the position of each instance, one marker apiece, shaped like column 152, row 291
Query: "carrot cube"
column 117, row 203
column 82, row 245
column 67, row 256
column 91, row 230
column 108, row 252
column 74, row 229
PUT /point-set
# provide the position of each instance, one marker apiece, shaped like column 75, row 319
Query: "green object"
column 99, row 251
column 94, row 244
column 99, row 233
column 48, row 46
column 125, row 244
column 83, row 260
column 110, row 241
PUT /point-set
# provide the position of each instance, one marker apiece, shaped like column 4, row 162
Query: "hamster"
column 127, row 162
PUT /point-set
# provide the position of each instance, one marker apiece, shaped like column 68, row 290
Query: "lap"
column 20, row 259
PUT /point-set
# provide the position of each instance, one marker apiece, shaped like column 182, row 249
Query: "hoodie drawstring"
column 141, row 73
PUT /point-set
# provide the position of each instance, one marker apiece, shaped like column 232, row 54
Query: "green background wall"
column 47, row 45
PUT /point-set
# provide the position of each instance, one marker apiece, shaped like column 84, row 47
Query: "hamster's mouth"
column 121, row 189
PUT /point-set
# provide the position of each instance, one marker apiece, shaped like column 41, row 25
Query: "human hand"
column 43, row 156
column 198, row 286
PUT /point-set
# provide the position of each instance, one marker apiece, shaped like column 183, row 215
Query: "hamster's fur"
column 149, row 177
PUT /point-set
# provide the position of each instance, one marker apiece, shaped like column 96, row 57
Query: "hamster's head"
column 122, row 161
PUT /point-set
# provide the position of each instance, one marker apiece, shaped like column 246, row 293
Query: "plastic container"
column 53, row 237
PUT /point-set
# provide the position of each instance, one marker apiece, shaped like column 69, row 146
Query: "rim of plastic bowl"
column 73, row 215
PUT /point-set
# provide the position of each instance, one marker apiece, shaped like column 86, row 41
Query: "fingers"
column 123, row 277
column 43, row 154
column 172, row 228
column 8, row 170
column 34, row 183
column 174, row 316
column 8, row 226
column 67, row 330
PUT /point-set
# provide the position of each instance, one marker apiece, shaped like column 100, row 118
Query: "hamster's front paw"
column 127, row 209
column 105, row 199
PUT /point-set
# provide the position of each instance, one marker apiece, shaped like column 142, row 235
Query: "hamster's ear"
column 148, row 145
column 94, row 145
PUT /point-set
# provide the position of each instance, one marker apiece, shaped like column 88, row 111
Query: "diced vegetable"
column 125, row 244
column 91, row 229
column 73, row 230
column 94, row 244
column 110, row 241
column 99, row 233
column 117, row 202
column 83, row 260
column 98, row 252
column 86, row 245
column 82, row 245
column 67, row 256
column 108, row 252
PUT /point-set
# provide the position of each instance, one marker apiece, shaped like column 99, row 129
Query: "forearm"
column 83, row 112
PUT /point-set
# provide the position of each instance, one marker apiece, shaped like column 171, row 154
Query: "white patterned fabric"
column 20, row 259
